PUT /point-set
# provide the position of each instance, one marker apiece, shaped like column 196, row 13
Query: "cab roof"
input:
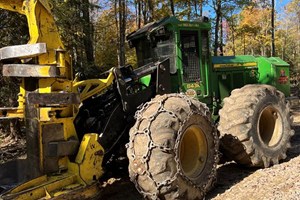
column 148, row 28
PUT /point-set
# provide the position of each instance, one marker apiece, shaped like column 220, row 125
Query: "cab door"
column 190, row 56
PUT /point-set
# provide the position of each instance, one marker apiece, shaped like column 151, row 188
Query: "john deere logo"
column 191, row 93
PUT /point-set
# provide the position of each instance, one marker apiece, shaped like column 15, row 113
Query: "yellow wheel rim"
column 270, row 126
column 193, row 151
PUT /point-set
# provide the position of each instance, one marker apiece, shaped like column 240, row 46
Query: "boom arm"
column 12, row 5
column 42, row 29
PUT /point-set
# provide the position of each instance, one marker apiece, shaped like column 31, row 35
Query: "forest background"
column 94, row 31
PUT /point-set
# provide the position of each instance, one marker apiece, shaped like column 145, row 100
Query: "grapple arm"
column 12, row 5
column 48, row 102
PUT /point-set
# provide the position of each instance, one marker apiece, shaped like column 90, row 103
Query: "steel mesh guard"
column 191, row 69
column 190, row 56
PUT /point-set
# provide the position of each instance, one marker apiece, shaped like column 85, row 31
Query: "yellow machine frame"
column 52, row 70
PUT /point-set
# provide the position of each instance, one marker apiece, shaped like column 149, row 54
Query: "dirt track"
column 234, row 182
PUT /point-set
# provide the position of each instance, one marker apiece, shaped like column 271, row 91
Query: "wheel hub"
column 270, row 126
column 193, row 151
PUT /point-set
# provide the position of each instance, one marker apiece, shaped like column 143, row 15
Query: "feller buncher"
column 178, row 104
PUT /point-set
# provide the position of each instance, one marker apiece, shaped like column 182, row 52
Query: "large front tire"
column 255, row 126
column 173, row 149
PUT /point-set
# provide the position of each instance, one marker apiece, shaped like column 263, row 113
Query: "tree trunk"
column 233, row 40
column 172, row 7
column 189, row 10
column 196, row 8
column 284, row 44
column 139, row 13
column 116, row 9
column 244, row 44
column 144, row 11
column 200, row 8
column 273, row 52
column 218, row 15
column 88, row 32
column 122, row 25
column 221, row 36
column 151, row 11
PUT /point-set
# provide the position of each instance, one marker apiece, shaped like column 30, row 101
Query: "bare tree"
column 217, row 7
column 88, row 32
column 273, row 28
column 172, row 7
column 122, row 31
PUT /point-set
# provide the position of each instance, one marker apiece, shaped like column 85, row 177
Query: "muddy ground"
column 281, row 181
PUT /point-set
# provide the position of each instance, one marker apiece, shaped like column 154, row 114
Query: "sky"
column 279, row 7
column 280, row 4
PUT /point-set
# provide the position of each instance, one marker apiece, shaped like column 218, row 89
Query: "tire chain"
column 151, row 145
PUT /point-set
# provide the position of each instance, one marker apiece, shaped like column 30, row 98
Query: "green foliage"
column 249, row 32
column 14, row 31
column 75, row 23
column 90, row 29
column 288, row 34
column 106, row 41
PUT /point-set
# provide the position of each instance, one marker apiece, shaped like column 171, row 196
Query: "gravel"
column 278, row 182
column 281, row 181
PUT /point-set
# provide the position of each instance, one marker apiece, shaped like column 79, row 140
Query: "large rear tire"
column 255, row 126
column 173, row 149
